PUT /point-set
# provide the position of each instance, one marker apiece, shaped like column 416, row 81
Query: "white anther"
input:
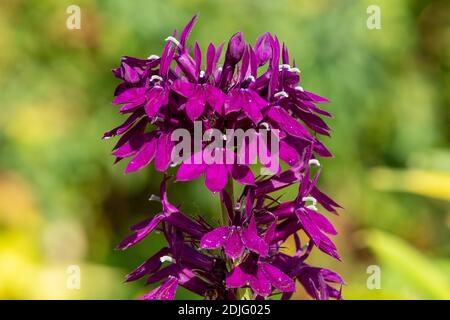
column 156, row 119
column 281, row 94
column 153, row 57
column 154, row 197
column 296, row 70
column 173, row 40
column 251, row 78
column 283, row 66
column 314, row 162
column 312, row 207
column 224, row 137
column 155, row 77
column 310, row 199
column 299, row 88
column 202, row 74
column 167, row 259
column 173, row 165
column 265, row 125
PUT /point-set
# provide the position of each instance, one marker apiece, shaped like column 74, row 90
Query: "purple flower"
column 257, row 87
column 235, row 240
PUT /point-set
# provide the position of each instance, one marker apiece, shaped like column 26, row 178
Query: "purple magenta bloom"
column 257, row 87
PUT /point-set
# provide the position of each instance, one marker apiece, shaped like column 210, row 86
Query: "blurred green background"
column 62, row 202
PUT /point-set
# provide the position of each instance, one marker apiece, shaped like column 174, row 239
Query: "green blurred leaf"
column 411, row 268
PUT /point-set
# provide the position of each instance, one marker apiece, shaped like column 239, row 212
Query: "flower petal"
column 141, row 233
column 130, row 95
column 252, row 241
column 233, row 246
column 163, row 153
column 143, row 158
column 215, row 239
column 216, row 177
column 166, row 291
column 278, row 278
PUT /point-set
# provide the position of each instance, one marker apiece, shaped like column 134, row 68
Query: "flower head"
column 257, row 87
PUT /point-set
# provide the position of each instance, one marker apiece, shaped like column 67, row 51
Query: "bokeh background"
column 63, row 202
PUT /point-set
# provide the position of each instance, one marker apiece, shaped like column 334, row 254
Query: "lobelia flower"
column 256, row 88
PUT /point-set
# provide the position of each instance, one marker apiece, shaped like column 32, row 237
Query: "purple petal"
column 184, row 88
column 216, row 98
column 141, row 233
column 233, row 245
column 278, row 278
column 216, row 177
column 149, row 266
column 252, row 241
column 196, row 104
column 263, row 48
column 124, row 126
column 155, row 100
column 187, row 29
column 237, row 278
column 252, row 108
column 190, row 171
column 215, row 239
column 321, row 222
column 143, row 158
column 130, row 95
column 260, row 283
column 242, row 174
column 163, row 153
column 166, row 291
column 288, row 154
column 287, row 123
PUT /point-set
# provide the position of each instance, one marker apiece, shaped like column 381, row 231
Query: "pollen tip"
column 167, row 259
column 154, row 197
column 173, row 40
column 310, row 199
column 284, row 66
column 314, row 162
column 153, row 57
column 155, row 77
column 299, row 88
column 281, row 94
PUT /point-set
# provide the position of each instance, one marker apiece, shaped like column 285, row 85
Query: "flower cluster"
column 255, row 88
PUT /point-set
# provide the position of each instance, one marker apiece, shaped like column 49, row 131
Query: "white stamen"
column 283, row 66
column 156, row 119
column 173, row 40
column 153, row 57
column 251, row 78
column 224, row 137
column 265, row 125
column 296, row 70
column 310, row 199
column 202, row 74
column 154, row 197
column 219, row 69
column 281, row 94
column 314, row 162
column 312, row 207
column 167, row 259
column 156, row 77
column 299, row 88
column 174, row 164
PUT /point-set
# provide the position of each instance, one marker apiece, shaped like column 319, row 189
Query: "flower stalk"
column 239, row 256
